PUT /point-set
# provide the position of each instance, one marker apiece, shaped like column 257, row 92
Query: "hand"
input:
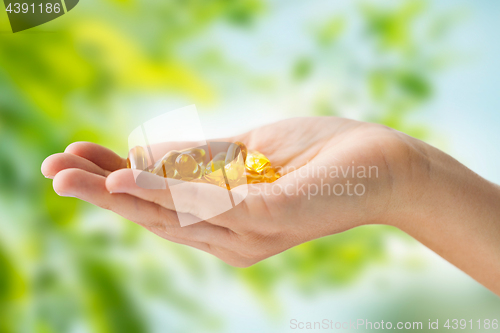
column 265, row 223
column 412, row 186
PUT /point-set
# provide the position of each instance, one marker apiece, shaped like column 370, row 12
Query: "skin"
column 419, row 190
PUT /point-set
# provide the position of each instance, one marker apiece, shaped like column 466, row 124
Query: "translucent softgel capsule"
column 137, row 159
column 186, row 167
column 216, row 163
column 228, row 169
column 253, row 178
column 256, row 162
column 216, row 178
column 166, row 166
column 243, row 149
column 235, row 166
column 197, row 153
column 213, row 171
column 270, row 175
column 234, row 150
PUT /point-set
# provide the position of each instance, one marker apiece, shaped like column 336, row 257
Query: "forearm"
column 456, row 213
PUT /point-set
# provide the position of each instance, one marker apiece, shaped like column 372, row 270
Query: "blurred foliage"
column 59, row 83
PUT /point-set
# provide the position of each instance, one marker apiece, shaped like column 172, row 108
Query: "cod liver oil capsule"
column 216, row 163
column 197, row 153
column 254, row 178
column 216, row 178
column 187, row 167
column 214, row 172
column 234, row 150
column 235, row 169
column 220, row 157
column 166, row 166
column 137, row 159
column 226, row 169
column 244, row 150
column 256, row 162
column 270, row 175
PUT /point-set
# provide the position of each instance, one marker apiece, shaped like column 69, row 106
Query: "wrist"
column 436, row 187
column 452, row 211
column 406, row 176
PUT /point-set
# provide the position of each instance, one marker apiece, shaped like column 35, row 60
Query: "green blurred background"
column 429, row 69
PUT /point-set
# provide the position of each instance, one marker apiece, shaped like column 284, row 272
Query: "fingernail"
column 49, row 177
column 65, row 195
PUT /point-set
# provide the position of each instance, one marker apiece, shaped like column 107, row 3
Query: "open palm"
column 272, row 217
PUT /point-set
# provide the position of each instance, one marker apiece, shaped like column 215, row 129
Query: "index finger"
column 99, row 155
column 207, row 202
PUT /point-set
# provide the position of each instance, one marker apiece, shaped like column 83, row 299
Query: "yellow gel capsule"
column 216, row 178
column 137, row 158
column 234, row 150
column 270, row 175
column 256, row 162
column 220, row 156
column 187, row 167
column 235, row 169
column 243, row 149
column 213, row 166
column 197, row 153
column 216, row 163
column 166, row 166
column 214, row 171
column 254, row 179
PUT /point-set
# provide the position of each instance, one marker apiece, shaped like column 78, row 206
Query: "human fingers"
column 61, row 161
column 92, row 188
column 97, row 154
column 243, row 234
column 205, row 201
